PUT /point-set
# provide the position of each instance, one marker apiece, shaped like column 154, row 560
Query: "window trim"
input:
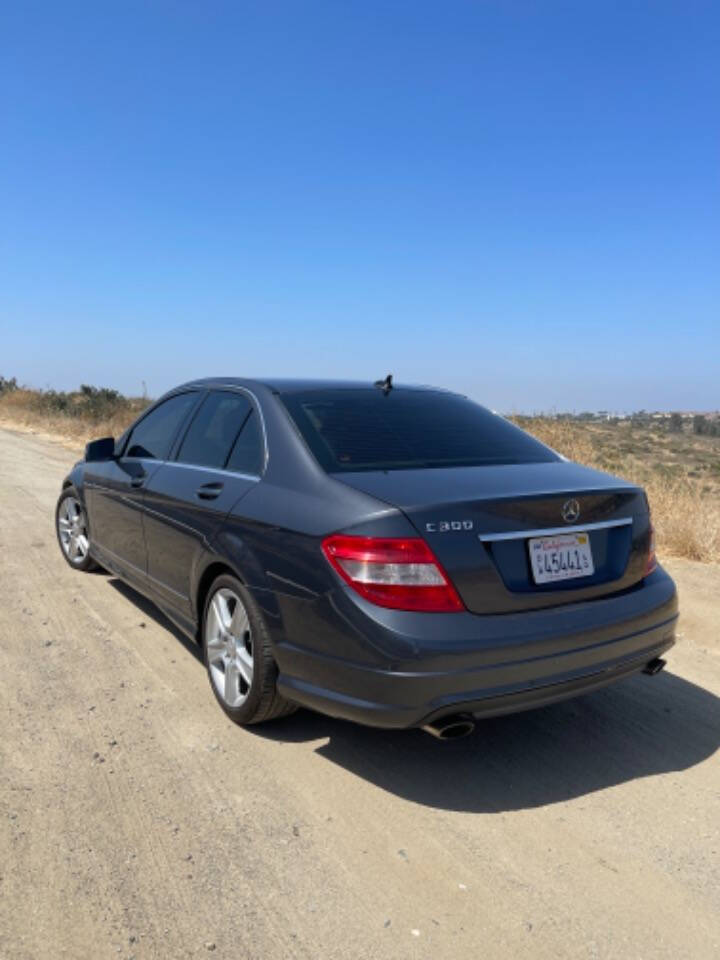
column 158, row 403
column 222, row 471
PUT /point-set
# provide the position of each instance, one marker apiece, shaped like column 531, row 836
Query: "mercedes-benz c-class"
column 394, row 555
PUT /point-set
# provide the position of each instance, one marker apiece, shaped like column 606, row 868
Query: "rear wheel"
column 72, row 530
column 236, row 646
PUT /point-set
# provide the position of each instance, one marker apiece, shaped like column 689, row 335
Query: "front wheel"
column 72, row 530
column 238, row 658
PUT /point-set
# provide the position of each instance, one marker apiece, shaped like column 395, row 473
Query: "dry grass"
column 68, row 418
column 685, row 511
column 680, row 475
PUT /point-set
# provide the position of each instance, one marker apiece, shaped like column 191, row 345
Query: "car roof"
column 293, row 385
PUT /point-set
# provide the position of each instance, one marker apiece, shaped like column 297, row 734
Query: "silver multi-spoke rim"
column 72, row 527
column 229, row 647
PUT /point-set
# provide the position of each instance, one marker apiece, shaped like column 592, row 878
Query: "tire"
column 71, row 527
column 234, row 636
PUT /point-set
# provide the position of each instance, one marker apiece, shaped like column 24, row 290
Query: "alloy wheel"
column 228, row 642
column 72, row 530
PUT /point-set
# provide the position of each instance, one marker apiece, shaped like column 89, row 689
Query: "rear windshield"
column 366, row 429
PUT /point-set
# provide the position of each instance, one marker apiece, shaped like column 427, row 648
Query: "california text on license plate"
column 562, row 557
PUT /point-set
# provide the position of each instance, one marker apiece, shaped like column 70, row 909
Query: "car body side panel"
column 282, row 563
column 180, row 523
column 115, row 509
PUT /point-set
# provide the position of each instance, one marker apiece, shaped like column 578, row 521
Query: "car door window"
column 214, row 429
column 248, row 453
column 153, row 436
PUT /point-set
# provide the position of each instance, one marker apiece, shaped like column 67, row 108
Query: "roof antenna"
column 385, row 385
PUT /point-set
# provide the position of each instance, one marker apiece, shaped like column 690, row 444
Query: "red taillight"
column 651, row 562
column 393, row 572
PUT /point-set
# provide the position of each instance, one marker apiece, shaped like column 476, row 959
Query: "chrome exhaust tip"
column 452, row 727
column 654, row 666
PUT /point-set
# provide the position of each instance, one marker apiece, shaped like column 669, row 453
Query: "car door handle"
column 208, row 491
column 138, row 480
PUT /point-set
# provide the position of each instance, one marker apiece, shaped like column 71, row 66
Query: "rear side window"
column 247, row 454
column 153, row 436
column 366, row 429
column 214, row 429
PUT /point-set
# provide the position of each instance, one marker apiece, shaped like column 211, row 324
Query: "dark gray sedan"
column 394, row 555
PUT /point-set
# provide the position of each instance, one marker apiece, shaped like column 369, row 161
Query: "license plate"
column 562, row 557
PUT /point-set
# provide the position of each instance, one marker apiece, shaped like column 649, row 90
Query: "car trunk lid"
column 479, row 522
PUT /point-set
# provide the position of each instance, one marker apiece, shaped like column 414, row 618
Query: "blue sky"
column 518, row 200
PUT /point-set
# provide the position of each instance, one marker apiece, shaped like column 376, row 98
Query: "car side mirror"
column 97, row 450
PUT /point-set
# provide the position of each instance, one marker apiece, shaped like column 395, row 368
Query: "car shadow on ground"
column 640, row 727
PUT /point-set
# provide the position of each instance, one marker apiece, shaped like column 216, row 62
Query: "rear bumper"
column 483, row 665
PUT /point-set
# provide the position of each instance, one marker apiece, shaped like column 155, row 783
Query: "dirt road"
column 136, row 821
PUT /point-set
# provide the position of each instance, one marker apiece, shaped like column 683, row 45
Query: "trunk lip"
column 417, row 489
column 553, row 531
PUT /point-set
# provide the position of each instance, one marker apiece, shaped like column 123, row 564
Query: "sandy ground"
column 136, row 821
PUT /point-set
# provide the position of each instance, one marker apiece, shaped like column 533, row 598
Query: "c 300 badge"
column 447, row 526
